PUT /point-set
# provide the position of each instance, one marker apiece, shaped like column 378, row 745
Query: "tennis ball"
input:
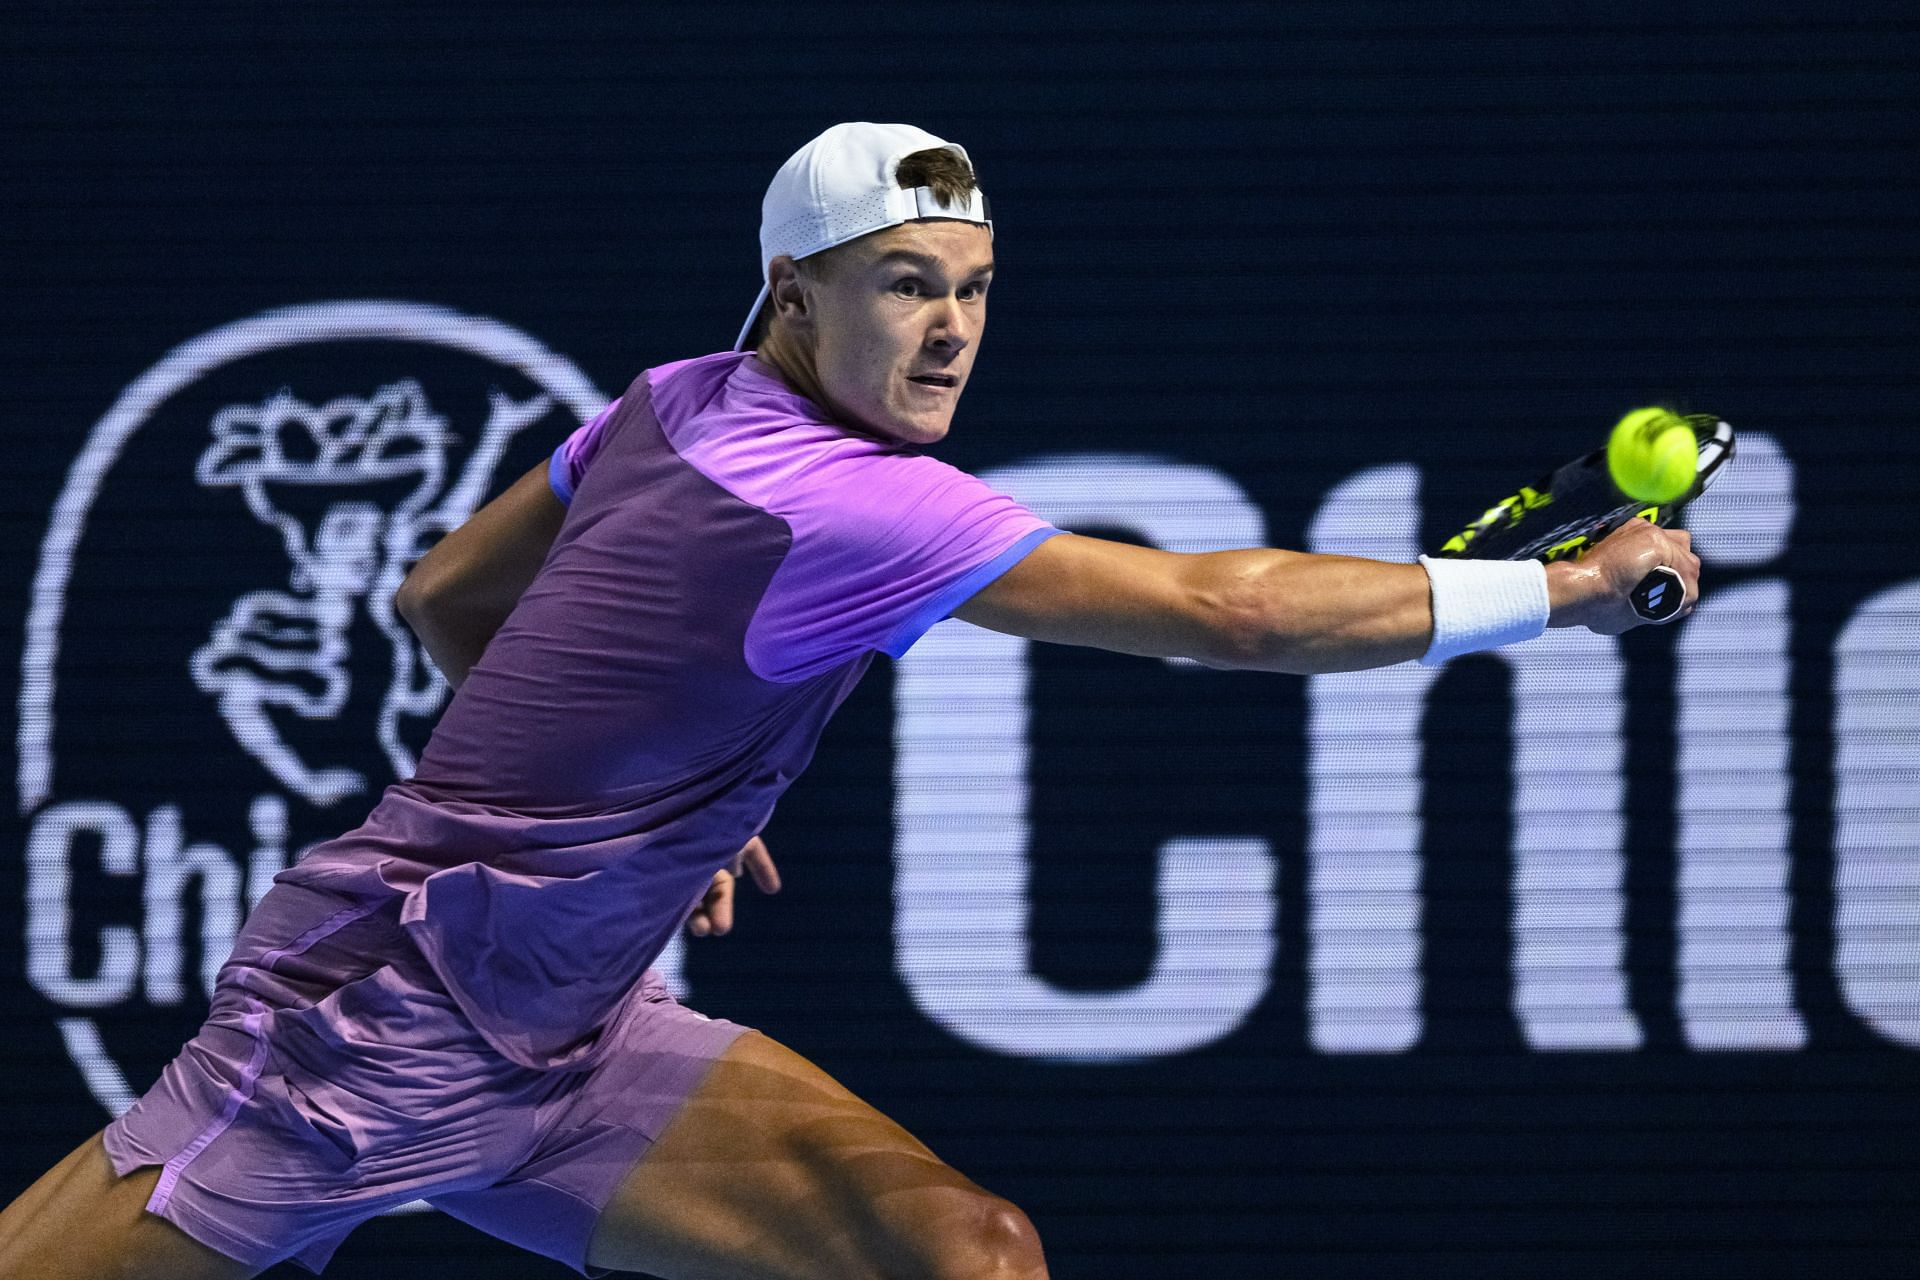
column 1652, row 455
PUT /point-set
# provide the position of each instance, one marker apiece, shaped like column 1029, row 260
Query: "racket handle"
column 1659, row 595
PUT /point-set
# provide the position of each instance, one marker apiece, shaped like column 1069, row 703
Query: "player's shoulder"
column 855, row 476
column 683, row 389
column 751, row 433
column 725, row 393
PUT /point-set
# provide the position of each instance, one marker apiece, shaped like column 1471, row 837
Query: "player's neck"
column 780, row 355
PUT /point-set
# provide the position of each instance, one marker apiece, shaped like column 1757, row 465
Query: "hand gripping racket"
column 1563, row 516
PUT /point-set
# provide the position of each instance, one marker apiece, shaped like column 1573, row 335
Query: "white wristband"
column 1483, row 604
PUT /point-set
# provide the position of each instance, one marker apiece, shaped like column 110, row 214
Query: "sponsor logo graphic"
column 212, row 659
column 287, row 649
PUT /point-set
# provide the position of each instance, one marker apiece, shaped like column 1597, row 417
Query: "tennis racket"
column 1565, row 514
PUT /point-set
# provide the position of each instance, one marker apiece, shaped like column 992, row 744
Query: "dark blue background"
column 1285, row 241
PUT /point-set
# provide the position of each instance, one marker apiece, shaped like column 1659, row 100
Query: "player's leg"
column 773, row 1171
column 82, row 1221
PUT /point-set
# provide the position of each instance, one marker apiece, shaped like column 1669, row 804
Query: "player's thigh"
column 82, row 1221
column 772, row 1170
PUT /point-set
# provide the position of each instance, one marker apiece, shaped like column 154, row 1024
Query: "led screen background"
column 1599, row 959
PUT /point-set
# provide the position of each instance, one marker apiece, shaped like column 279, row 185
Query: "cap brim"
column 740, row 343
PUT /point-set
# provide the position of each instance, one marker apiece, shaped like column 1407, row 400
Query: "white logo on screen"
column 287, row 649
column 356, row 487
column 963, row 852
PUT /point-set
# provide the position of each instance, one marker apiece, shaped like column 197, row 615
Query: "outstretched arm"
column 460, row 592
column 1271, row 610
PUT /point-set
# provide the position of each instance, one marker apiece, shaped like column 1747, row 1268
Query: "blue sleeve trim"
column 557, row 475
column 959, row 592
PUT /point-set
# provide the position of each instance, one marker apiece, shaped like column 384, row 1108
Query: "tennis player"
column 453, row 1002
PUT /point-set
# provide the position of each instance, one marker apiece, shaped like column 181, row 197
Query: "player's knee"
column 993, row 1242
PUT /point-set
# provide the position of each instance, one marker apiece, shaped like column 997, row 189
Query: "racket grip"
column 1659, row 595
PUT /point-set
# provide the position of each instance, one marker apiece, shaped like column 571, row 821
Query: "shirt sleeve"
column 570, row 460
column 878, row 559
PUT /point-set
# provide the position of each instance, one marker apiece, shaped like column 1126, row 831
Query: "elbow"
column 1236, row 627
column 1232, row 640
column 1247, row 624
column 1252, row 641
column 1256, row 644
column 417, row 598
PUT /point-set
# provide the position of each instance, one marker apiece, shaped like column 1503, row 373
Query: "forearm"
column 1311, row 614
column 461, row 592
column 453, row 640
column 1272, row 610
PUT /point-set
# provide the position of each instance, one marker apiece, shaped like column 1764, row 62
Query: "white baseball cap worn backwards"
column 841, row 186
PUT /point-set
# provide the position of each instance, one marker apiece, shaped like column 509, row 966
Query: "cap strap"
column 925, row 202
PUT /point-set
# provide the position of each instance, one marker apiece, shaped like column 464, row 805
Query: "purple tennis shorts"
column 335, row 1078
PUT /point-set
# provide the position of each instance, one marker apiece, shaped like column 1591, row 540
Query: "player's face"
column 897, row 322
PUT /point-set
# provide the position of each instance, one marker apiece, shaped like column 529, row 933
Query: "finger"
column 739, row 864
column 759, row 864
column 700, row 920
column 719, row 905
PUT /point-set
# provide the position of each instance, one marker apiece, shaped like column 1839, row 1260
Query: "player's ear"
column 787, row 291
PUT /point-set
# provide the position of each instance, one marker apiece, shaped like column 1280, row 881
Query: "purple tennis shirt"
column 730, row 562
